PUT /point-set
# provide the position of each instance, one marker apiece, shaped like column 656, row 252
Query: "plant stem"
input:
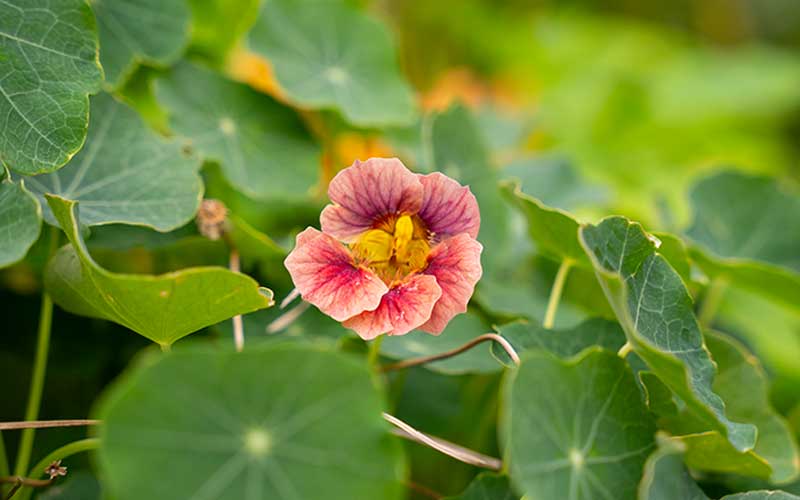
column 3, row 458
column 625, row 350
column 59, row 454
column 712, row 301
column 238, row 328
column 39, row 369
column 453, row 352
column 374, row 352
column 555, row 293
column 45, row 424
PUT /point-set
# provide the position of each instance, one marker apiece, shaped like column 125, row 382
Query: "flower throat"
column 395, row 248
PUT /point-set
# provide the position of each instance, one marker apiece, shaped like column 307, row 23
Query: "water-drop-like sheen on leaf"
column 20, row 221
column 746, row 230
column 326, row 54
column 162, row 308
column 48, row 63
column 283, row 422
column 655, row 310
column 576, row 429
column 126, row 174
column 262, row 146
column 133, row 31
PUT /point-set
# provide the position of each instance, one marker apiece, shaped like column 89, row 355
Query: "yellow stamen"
column 395, row 248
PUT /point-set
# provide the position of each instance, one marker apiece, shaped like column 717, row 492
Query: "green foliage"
column 126, row 174
column 654, row 308
column 252, row 136
column 310, row 419
column 488, row 486
column 328, row 55
column 161, row 308
column 20, row 221
column 48, row 59
column 564, row 436
column 140, row 31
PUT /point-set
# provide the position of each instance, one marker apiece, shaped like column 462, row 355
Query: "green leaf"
column 563, row 343
column 78, row 486
column 554, row 231
column 254, row 138
column 657, row 395
column 745, row 230
column 20, row 221
column 576, row 427
column 655, row 310
column 327, row 55
column 153, row 32
column 48, row 59
column 280, row 422
column 162, row 308
column 459, row 151
column 666, row 478
column 217, row 25
column 742, row 383
column 459, row 331
column 126, row 174
column 487, row 486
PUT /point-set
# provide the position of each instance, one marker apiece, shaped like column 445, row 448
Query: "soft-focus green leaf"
column 655, row 310
column 80, row 486
column 20, row 221
column 126, row 174
column 742, row 383
column 666, row 478
column 563, row 343
column 458, row 150
column 262, row 146
column 154, row 32
column 218, row 24
column 747, row 230
column 487, row 486
column 48, row 59
column 576, row 427
column 657, row 395
column 554, row 231
column 281, row 422
column 459, row 331
column 162, row 308
column 327, row 55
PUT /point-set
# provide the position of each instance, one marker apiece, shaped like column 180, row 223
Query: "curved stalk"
column 59, row 454
column 555, row 293
column 454, row 352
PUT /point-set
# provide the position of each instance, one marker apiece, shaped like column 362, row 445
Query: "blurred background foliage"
column 594, row 107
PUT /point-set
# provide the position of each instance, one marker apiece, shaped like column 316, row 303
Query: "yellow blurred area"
column 256, row 71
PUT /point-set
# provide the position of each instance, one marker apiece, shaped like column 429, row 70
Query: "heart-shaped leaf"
column 742, row 383
column 487, row 486
column 563, row 343
column 262, row 146
column 162, row 308
column 746, row 230
column 133, row 31
column 655, row 310
column 126, row 174
column 564, row 420
column 20, row 221
column 49, row 66
column 328, row 55
column 284, row 422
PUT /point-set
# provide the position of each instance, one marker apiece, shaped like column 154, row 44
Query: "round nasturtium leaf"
column 20, row 221
column 576, row 429
column 283, row 422
column 327, row 54
column 48, row 63
column 133, row 31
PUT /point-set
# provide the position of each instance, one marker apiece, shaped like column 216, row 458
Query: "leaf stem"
column 374, row 351
column 625, row 350
column 555, row 293
column 711, row 301
column 238, row 328
column 59, row 454
column 450, row 449
column 39, row 368
column 45, row 424
column 454, row 352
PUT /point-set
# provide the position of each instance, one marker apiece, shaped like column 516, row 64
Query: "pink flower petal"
column 456, row 264
column 366, row 192
column 448, row 208
column 324, row 273
column 405, row 307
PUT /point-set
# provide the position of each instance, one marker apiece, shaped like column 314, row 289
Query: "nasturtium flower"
column 397, row 250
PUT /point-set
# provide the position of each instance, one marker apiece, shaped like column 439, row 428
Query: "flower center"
column 397, row 247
